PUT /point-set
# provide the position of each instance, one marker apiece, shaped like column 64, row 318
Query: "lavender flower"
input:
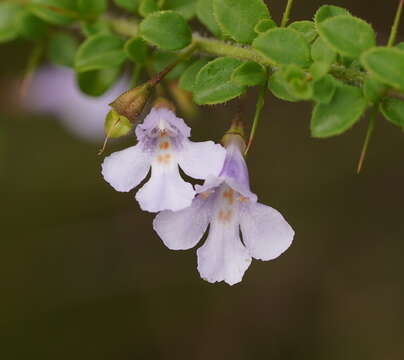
column 228, row 205
column 163, row 145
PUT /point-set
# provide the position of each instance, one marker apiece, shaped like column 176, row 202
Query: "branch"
column 216, row 47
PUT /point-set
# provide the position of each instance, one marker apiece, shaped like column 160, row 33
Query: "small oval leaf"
column 306, row 28
column 249, row 74
column 204, row 12
column 137, row 50
column 186, row 8
column 238, row 18
column 283, row 46
column 213, row 83
column 9, row 14
column 393, row 111
column 97, row 82
column 327, row 11
column 386, row 65
column 188, row 77
column 264, row 25
column 166, row 29
column 62, row 49
column 347, row 35
column 99, row 52
column 341, row 113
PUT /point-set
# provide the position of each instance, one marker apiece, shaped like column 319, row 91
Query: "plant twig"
column 369, row 132
column 32, row 65
column 286, row 13
column 396, row 23
column 257, row 116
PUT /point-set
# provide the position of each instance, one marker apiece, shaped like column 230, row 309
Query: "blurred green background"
column 85, row 277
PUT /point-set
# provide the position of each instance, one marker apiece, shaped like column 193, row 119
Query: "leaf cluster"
column 331, row 60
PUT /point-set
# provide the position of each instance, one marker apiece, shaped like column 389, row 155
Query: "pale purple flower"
column 163, row 145
column 228, row 205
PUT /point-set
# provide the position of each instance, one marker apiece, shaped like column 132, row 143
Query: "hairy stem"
column 286, row 13
column 369, row 132
column 210, row 46
column 257, row 116
column 396, row 23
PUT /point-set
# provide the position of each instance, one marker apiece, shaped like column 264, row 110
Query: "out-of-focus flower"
column 163, row 145
column 54, row 90
column 228, row 205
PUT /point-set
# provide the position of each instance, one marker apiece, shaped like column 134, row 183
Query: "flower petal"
column 266, row 233
column 223, row 257
column 235, row 172
column 165, row 190
column 125, row 169
column 201, row 159
column 181, row 230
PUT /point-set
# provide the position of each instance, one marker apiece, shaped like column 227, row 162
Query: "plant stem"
column 369, row 132
column 257, row 116
column 32, row 65
column 216, row 47
column 286, row 13
column 372, row 119
column 396, row 23
column 221, row 48
column 182, row 57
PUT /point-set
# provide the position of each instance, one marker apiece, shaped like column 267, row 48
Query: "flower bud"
column 132, row 102
column 116, row 125
column 235, row 135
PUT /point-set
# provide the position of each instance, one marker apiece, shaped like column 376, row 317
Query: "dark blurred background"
column 85, row 277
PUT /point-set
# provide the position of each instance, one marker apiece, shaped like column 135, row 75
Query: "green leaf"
column 213, row 83
column 347, row 35
column 344, row 110
column 238, row 18
column 280, row 88
column 264, row 25
column 91, row 28
column 249, row 74
column 393, row 111
column 306, row 28
column 187, row 8
column 57, row 12
column 321, row 52
column 373, row 89
column 204, row 12
column 99, row 52
column 97, row 82
column 324, row 89
column 283, row 46
column 188, row 77
column 31, row 27
column 166, row 29
column 297, row 82
column 94, row 7
column 131, row 5
column 148, row 7
column 318, row 69
column 137, row 50
column 162, row 59
column 327, row 11
column 386, row 65
column 9, row 13
column 62, row 49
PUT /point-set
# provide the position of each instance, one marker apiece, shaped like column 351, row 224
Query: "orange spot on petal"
column 164, row 145
column 225, row 215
